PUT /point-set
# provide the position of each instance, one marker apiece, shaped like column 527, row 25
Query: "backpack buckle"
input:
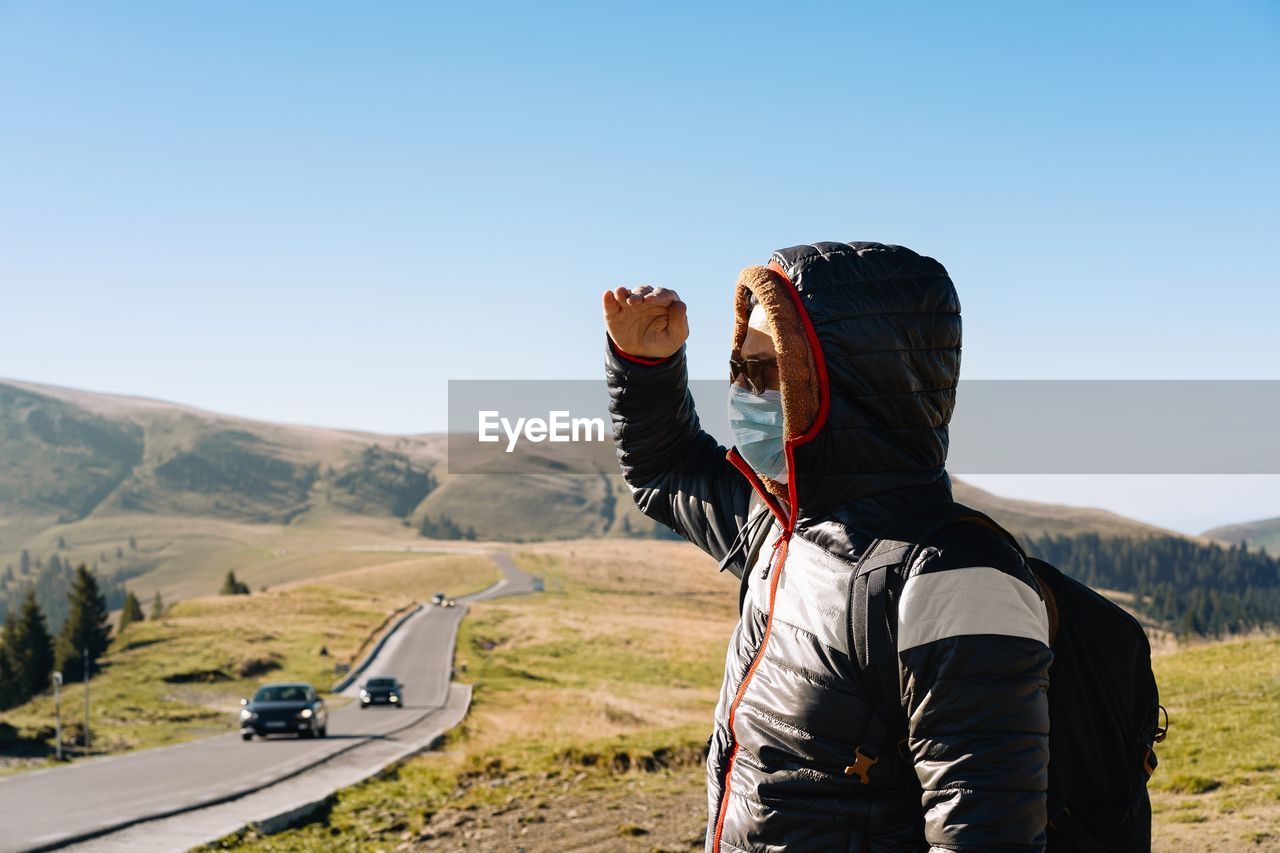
column 861, row 765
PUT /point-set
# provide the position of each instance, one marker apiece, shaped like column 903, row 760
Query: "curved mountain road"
column 174, row 797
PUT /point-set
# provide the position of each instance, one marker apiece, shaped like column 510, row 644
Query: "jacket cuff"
column 625, row 362
column 626, row 356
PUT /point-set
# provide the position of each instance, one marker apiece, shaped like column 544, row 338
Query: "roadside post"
column 57, row 713
column 86, row 700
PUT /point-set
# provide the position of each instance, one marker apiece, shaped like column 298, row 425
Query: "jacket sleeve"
column 677, row 472
column 974, row 657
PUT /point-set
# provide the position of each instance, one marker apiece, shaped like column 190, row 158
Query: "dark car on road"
column 382, row 690
column 280, row 709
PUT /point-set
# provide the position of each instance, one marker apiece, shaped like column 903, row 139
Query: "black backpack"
column 1103, row 702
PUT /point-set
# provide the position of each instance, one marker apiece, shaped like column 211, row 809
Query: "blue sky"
column 321, row 212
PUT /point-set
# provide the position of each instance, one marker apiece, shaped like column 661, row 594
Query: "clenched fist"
column 648, row 322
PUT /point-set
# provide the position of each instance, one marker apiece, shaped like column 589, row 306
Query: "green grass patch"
column 1184, row 783
column 1222, row 700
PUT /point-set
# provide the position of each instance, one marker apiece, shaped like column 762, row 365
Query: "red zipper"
column 786, row 518
column 776, row 560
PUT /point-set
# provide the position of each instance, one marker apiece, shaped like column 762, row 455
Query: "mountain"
column 1255, row 534
column 71, row 454
column 175, row 495
column 1032, row 518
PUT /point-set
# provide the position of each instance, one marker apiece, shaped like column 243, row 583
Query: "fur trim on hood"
column 797, row 372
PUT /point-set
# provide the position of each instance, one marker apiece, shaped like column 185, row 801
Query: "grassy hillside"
column 67, row 454
column 59, row 460
column 1256, row 534
column 182, row 676
column 593, row 701
column 184, row 557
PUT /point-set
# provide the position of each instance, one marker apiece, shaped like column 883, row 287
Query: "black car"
column 284, row 709
column 382, row 691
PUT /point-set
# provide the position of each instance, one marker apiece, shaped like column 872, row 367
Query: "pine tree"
column 130, row 612
column 87, row 626
column 8, row 683
column 157, row 606
column 24, row 562
column 443, row 527
column 231, row 586
column 31, row 656
column 133, row 543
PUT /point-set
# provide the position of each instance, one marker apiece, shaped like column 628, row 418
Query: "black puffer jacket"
column 883, row 328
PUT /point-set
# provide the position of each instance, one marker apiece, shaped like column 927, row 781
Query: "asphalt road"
column 48, row 808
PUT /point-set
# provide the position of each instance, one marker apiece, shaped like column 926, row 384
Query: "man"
column 844, row 364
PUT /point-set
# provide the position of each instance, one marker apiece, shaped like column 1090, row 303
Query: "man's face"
column 758, row 356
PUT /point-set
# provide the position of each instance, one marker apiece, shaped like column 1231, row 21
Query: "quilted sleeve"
column 677, row 472
column 974, row 657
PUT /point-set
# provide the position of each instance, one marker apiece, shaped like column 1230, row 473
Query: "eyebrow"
column 757, row 355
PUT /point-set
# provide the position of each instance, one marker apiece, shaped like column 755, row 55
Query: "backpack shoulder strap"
column 872, row 629
column 897, row 548
column 871, row 640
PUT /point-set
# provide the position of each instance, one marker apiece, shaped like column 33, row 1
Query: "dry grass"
column 417, row 577
column 627, row 638
column 187, row 557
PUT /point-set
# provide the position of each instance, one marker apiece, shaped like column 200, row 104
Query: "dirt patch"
column 1190, row 823
column 197, row 676
column 671, row 816
column 657, row 802
column 253, row 667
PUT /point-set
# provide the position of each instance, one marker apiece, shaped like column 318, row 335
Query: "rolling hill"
column 172, row 496
column 1255, row 534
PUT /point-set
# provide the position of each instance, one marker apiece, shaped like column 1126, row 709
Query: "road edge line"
column 89, row 835
column 354, row 673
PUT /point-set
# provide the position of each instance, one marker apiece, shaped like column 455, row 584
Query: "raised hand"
column 646, row 321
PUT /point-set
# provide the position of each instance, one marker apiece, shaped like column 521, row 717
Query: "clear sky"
column 321, row 212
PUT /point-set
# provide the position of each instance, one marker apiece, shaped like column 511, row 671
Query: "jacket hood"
column 868, row 340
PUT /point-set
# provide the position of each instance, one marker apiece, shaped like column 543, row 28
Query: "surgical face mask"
column 756, row 421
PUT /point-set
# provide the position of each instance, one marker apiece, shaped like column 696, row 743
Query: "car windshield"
column 382, row 682
column 281, row 693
